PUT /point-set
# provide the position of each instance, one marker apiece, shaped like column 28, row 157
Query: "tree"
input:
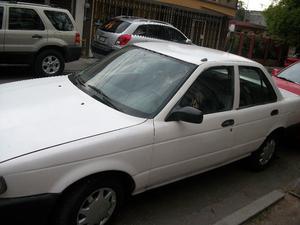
column 283, row 21
column 241, row 11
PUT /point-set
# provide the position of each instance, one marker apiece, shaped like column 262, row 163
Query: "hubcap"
column 51, row 65
column 267, row 152
column 97, row 208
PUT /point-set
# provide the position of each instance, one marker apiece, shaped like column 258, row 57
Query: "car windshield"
column 135, row 81
column 292, row 73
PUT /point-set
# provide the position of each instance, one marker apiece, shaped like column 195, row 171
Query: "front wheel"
column 49, row 63
column 261, row 158
column 93, row 202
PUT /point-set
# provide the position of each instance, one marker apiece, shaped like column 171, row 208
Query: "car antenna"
column 204, row 60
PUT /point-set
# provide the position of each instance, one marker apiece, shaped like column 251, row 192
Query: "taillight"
column 123, row 39
column 77, row 38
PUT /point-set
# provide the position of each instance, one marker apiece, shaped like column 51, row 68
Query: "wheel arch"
column 278, row 133
column 52, row 47
column 121, row 176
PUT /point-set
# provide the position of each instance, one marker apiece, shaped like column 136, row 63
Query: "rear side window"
column 175, row 35
column 255, row 89
column 156, row 31
column 1, row 17
column 115, row 26
column 24, row 19
column 60, row 20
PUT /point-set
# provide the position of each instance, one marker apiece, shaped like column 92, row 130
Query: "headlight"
column 3, row 186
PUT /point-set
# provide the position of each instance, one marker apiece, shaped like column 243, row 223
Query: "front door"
column 24, row 35
column 182, row 149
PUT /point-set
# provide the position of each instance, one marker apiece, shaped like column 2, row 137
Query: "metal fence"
column 204, row 28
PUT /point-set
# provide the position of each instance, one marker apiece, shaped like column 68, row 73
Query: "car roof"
column 133, row 19
column 191, row 53
column 32, row 5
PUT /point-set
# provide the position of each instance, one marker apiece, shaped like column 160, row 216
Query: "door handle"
column 36, row 36
column 228, row 123
column 275, row 112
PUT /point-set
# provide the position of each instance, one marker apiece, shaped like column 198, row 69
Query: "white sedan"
column 145, row 116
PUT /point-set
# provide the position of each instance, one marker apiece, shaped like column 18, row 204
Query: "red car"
column 289, row 78
column 290, row 60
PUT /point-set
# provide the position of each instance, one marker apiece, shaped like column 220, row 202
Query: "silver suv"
column 38, row 35
column 121, row 31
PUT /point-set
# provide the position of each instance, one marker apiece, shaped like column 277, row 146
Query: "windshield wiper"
column 105, row 99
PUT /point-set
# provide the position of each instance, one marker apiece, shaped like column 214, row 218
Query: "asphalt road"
column 203, row 199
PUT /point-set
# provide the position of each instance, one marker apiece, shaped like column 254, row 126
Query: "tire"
column 80, row 203
column 49, row 63
column 260, row 159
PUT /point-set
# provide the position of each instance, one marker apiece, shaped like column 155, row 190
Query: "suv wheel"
column 49, row 63
column 95, row 201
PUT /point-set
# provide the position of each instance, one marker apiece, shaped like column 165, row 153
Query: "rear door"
column 258, row 110
column 25, row 34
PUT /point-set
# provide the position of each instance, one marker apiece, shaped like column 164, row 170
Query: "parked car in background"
column 145, row 116
column 291, row 60
column 121, row 31
column 39, row 36
column 289, row 78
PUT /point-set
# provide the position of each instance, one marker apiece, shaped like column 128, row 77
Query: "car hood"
column 289, row 86
column 40, row 113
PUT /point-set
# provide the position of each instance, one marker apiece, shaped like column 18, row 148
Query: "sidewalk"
column 79, row 65
column 280, row 207
column 285, row 212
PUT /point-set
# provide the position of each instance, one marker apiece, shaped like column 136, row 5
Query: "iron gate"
column 204, row 29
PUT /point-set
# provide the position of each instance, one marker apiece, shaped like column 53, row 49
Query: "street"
column 206, row 198
column 203, row 199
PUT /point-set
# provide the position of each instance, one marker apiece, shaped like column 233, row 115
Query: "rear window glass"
column 60, row 20
column 115, row 26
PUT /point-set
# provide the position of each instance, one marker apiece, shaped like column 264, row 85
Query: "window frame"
column 2, row 19
column 203, row 71
column 23, row 8
column 264, row 78
column 46, row 11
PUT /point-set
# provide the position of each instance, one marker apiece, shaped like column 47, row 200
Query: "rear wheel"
column 49, row 63
column 93, row 202
column 260, row 159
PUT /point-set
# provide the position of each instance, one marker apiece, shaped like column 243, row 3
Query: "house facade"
column 205, row 22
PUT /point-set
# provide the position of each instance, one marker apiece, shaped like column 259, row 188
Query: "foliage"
column 283, row 21
column 241, row 11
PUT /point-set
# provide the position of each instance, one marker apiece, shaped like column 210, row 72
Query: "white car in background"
column 145, row 116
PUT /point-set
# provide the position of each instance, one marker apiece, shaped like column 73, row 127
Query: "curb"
column 244, row 214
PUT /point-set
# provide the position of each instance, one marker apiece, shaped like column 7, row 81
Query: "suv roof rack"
column 29, row 3
column 140, row 19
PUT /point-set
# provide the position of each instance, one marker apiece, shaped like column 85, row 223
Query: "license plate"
column 102, row 39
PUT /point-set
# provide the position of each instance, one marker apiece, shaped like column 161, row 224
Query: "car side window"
column 141, row 30
column 175, row 35
column 255, row 88
column 24, row 19
column 212, row 92
column 1, row 17
column 60, row 20
column 156, row 31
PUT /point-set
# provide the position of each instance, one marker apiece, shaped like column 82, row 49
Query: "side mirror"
column 187, row 114
column 275, row 72
column 189, row 41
